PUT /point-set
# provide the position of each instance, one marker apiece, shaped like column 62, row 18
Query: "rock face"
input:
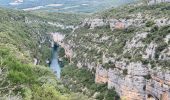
column 139, row 83
column 151, row 2
column 150, row 51
column 162, row 22
column 92, row 23
column 114, row 23
column 130, row 53
column 58, row 38
column 135, row 41
column 101, row 75
column 133, row 80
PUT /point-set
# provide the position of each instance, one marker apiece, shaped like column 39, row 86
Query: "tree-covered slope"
column 23, row 38
column 124, row 49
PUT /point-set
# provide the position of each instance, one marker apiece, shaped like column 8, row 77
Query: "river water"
column 54, row 61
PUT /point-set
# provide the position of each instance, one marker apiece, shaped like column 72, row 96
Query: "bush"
column 147, row 77
column 21, row 78
column 109, row 65
column 165, row 64
column 111, row 95
column 149, row 23
column 61, row 52
column 155, row 29
column 161, row 46
column 125, row 72
column 145, row 62
column 46, row 92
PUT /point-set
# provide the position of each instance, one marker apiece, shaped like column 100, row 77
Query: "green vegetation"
column 125, row 72
column 108, row 65
column 87, row 38
column 147, row 77
column 64, row 18
column 158, row 10
column 26, row 80
column 82, row 80
column 157, row 35
column 92, row 44
column 23, row 37
column 61, row 54
column 149, row 23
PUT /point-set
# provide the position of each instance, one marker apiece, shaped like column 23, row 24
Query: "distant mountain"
column 87, row 6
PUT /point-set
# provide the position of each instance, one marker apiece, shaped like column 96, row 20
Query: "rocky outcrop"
column 92, row 23
column 139, row 83
column 101, row 75
column 137, row 20
column 61, row 25
column 117, row 24
column 58, row 38
column 151, row 2
column 135, row 42
column 167, row 38
column 165, row 54
column 131, row 80
column 162, row 22
column 150, row 51
column 113, row 23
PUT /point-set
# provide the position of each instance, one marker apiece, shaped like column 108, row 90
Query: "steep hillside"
column 128, row 48
column 24, row 48
column 122, row 53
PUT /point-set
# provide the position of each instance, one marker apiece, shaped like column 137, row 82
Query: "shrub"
column 161, row 46
column 145, row 61
column 147, row 77
column 109, row 65
column 46, row 92
column 111, row 95
column 127, row 55
column 164, row 64
column 125, row 72
column 155, row 29
column 149, row 23
column 61, row 52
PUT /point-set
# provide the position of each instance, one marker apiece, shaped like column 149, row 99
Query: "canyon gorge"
column 138, row 71
column 121, row 53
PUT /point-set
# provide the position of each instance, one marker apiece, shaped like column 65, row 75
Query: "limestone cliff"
column 140, row 82
column 128, row 51
column 150, row 2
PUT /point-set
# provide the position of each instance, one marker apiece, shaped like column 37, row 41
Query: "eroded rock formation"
column 58, row 38
column 151, row 2
column 139, row 83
